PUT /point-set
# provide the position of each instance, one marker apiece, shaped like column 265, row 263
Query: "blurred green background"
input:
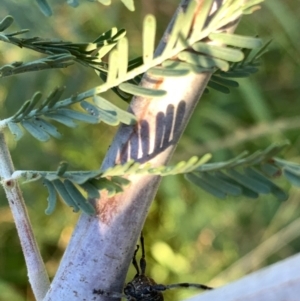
column 190, row 236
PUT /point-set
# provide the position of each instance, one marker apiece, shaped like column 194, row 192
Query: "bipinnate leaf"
column 61, row 54
column 35, row 115
column 52, row 61
column 203, row 58
column 241, row 175
column 122, row 77
column 32, row 120
column 132, row 167
column 112, row 180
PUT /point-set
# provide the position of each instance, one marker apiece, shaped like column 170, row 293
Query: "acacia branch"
column 37, row 273
column 101, row 248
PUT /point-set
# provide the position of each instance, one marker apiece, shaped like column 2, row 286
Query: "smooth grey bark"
column 37, row 273
column 101, row 247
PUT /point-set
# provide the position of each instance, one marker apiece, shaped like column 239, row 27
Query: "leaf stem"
column 37, row 274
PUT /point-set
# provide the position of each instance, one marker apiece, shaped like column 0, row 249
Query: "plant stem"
column 37, row 274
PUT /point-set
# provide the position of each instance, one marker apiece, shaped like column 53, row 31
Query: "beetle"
column 144, row 288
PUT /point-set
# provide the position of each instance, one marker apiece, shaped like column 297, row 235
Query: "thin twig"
column 35, row 266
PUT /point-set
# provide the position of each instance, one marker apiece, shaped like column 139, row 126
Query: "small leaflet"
column 35, row 131
column 141, row 91
column 52, row 199
column 6, row 22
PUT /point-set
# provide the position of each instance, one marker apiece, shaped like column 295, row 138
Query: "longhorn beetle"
column 144, row 288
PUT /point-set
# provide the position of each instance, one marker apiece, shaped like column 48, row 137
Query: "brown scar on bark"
column 107, row 207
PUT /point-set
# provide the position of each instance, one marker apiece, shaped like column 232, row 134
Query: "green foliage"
column 123, row 76
column 50, row 62
column 203, row 58
column 243, row 175
column 61, row 53
column 68, row 183
column 32, row 115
